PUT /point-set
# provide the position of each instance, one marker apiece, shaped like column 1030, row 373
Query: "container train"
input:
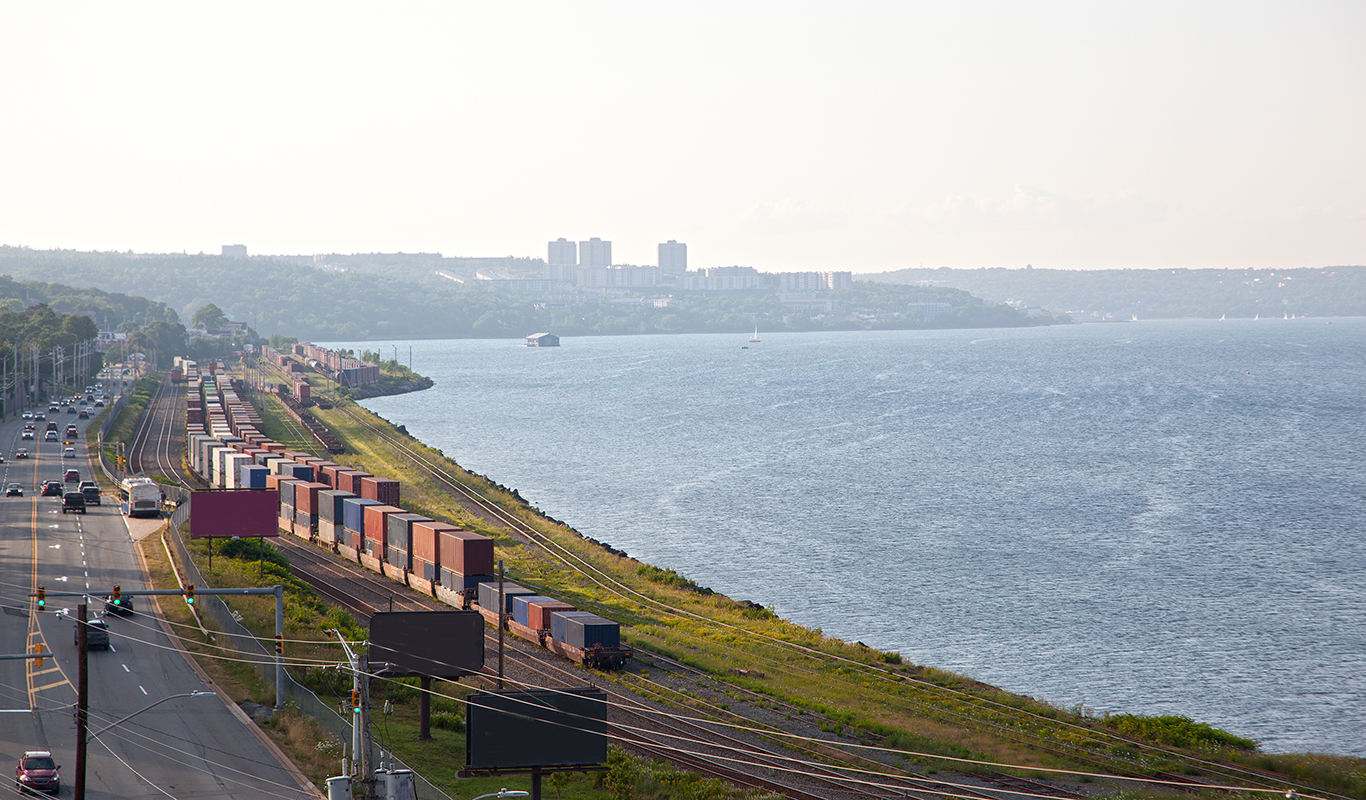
column 357, row 515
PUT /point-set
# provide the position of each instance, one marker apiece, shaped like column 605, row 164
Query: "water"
column 1154, row 518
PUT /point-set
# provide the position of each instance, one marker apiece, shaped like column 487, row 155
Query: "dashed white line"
column 144, row 691
column 126, row 669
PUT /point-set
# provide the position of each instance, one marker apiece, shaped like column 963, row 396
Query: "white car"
column 69, row 452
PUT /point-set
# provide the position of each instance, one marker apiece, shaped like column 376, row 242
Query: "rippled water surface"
column 1157, row 517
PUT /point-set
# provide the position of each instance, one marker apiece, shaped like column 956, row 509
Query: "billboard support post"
column 280, row 647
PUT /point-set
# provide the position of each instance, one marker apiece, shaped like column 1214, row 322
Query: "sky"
column 781, row 135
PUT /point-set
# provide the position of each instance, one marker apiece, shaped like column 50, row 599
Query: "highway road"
column 193, row 747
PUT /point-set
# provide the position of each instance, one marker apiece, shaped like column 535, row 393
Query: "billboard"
column 439, row 644
column 540, row 728
column 241, row 513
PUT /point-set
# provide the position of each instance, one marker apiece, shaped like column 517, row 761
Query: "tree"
column 209, row 316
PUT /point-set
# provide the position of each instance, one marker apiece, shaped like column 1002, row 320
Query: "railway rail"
column 366, row 593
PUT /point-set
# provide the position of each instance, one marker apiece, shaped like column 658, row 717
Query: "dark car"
column 83, row 415
column 40, row 416
column 91, row 492
column 21, row 453
column 53, row 489
column 73, row 503
column 71, row 409
column 96, row 634
column 38, row 771
column 72, row 432
column 14, row 490
column 124, row 608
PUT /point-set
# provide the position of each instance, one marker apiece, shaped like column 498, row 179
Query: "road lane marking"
column 62, row 682
column 46, row 671
column 144, row 691
column 126, row 669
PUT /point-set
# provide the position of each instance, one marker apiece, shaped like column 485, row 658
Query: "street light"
column 154, row 705
column 504, row 793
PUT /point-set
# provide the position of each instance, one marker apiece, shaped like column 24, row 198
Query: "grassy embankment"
column 861, row 692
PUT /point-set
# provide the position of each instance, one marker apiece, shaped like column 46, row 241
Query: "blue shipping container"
column 252, row 476
column 521, row 612
column 302, row 472
column 353, row 513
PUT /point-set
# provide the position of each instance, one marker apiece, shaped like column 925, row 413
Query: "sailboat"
column 1221, row 317
column 755, row 337
column 1256, row 317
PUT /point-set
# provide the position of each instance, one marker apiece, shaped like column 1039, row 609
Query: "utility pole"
column 366, row 757
column 82, row 700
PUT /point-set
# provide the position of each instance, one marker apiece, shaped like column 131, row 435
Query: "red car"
column 37, row 772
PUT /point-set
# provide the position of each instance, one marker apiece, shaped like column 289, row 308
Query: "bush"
column 1178, row 731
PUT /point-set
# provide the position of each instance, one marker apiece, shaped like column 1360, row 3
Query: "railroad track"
column 365, row 593
column 1227, row 773
column 159, row 436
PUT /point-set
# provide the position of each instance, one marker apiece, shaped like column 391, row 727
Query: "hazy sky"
column 782, row 135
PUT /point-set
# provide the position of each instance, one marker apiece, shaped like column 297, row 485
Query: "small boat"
column 1221, row 317
column 755, row 337
column 1256, row 317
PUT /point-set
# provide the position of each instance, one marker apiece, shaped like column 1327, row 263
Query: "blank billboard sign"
column 440, row 644
column 536, row 729
column 242, row 513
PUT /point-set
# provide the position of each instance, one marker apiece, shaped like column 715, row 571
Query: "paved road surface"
column 186, row 748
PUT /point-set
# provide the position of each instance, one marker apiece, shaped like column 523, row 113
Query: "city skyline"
column 866, row 138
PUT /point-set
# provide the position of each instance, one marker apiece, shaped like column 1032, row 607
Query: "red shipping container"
column 538, row 612
column 377, row 522
column 327, row 473
column 465, row 553
column 293, row 455
column 426, row 541
column 273, row 482
column 384, row 490
column 274, row 447
column 306, row 497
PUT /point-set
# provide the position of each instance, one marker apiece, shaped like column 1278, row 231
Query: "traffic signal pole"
column 82, row 700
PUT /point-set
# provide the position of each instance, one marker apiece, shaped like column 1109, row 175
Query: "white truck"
column 144, row 497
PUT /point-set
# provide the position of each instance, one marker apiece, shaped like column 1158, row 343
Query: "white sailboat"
column 755, row 337
column 1221, row 317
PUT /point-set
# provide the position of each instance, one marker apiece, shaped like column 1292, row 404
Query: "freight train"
column 357, row 515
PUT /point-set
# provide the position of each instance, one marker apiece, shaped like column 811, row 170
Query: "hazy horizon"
column 801, row 136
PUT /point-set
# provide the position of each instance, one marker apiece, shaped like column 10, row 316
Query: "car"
column 69, row 452
column 14, row 490
column 99, row 403
column 83, row 415
column 91, row 492
column 28, row 426
column 21, row 453
column 53, row 409
column 72, row 476
column 38, row 771
column 73, row 502
column 28, row 415
column 72, row 432
column 27, row 435
column 53, row 489
column 49, row 436
column 123, row 608
column 96, row 634
column 40, row 416
column 71, row 409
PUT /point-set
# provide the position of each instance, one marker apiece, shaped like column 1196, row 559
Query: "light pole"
column 154, row 705
column 503, row 793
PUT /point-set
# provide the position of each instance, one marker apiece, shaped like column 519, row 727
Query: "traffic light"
column 118, row 595
column 189, row 593
column 355, row 701
column 38, row 649
column 279, row 644
column 42, row 597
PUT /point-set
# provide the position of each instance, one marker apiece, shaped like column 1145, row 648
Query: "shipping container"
column 303, row 472
column 465, row 552
column 332, row 504
column 306, row 497
column 456, row 582
column 287, row 487
column 583, row 630
column 401, row 528
column 251, row 476
column 384, row 490
column 538, row 615
column 488, row 595
column 377, row 527
column 521, row 612
column 350, row 480
column 353, row 513
column 426, row 570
